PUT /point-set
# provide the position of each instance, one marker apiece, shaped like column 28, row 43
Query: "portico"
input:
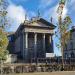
column 35, row 39
column 37, row 45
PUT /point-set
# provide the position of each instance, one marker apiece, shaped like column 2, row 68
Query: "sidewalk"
column 49, row 73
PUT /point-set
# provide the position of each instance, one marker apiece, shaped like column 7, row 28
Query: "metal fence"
column 42, row 65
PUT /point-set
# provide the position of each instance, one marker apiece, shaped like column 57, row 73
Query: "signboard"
column 49, row 55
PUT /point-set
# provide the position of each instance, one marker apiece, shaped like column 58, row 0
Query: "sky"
column 17, row 9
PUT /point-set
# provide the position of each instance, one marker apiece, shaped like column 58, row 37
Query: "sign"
column 49, row 55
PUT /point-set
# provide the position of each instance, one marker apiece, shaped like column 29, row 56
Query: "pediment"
column 38, row 24
column 41, row 22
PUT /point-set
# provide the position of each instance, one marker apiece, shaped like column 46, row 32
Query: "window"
column 66, row 56
column 71, row 45
column 9, row 38
column 72, row 54
column 65, row 46
column 70, row 36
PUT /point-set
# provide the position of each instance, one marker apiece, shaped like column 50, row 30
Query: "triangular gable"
column 46, row 22
column 41, row 22
column 37, row 23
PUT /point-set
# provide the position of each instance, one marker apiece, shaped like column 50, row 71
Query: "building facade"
column 33, row 39
column 69, row 51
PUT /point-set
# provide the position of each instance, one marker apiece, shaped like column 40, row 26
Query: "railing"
column 43, row 65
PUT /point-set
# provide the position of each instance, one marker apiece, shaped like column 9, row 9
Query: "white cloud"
column 65, row 12
column 31, row 14
column 45, row 3
column 16, row 14
column 10, row 1
column 52, row 12
column 72, row 2
column 21, row 0
column 71, row 5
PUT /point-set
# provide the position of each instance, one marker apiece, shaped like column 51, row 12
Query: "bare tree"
column 63, row 26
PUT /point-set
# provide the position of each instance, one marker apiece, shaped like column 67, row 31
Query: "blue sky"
column 17, row 9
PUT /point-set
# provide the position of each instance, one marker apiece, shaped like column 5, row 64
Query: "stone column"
column 51, row 43
column 44, row 45
column 26, row 47
column 23, row 41
column 26, row 39
column 35, row 45
column 50, row 39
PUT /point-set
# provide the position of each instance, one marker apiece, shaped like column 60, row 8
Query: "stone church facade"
column 69, row 50
column 33, row 39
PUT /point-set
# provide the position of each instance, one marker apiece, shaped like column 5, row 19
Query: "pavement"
column 49, row 73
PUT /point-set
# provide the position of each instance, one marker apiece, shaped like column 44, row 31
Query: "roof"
column 43, row 21
column 46, row 22
column 73, row 29
column 10, row 33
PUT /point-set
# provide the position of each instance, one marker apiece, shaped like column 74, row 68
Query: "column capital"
column 35, row 32
column 26, row 32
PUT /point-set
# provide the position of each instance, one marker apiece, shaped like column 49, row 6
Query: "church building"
column 33, row 39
